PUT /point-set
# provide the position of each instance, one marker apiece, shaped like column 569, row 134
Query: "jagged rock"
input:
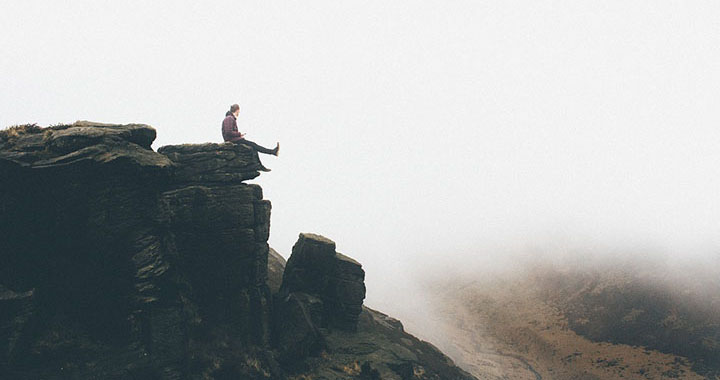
column 315, row 268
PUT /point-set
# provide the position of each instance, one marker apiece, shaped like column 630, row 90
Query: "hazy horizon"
column 412, row 134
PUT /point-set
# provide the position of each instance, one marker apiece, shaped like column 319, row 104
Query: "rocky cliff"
column 119, row 262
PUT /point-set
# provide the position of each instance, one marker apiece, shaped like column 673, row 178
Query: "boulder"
column 315, row 268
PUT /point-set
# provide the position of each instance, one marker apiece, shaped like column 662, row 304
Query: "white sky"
column 412, row 132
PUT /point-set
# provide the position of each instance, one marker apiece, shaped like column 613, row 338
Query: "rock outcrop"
column 313, row 346
column 213, row 163
column 119, row 262
column 338, row 281
column 320, row 289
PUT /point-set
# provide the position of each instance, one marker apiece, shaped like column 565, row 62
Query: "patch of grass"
column 15, row 131
column 352, row 368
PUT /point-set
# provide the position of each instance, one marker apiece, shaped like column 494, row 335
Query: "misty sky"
column 412, row 132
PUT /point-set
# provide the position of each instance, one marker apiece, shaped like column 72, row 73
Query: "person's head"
column 235, row 109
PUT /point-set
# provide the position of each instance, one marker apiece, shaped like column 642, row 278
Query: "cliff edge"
column 119, row 262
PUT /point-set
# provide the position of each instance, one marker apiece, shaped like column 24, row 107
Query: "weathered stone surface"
column 298, row 316
column 315, row 268
column 320, row 289
column 84, row 144
column 210, row 208
column 211, row 163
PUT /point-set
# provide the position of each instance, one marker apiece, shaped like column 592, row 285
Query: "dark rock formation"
column 118, row 262
column 218, row 229
column 121, row 262
column 377, row 348
column 211, row 163
column 320, row 289
column 337, row 280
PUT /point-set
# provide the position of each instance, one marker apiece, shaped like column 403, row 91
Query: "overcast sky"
column 412, row 132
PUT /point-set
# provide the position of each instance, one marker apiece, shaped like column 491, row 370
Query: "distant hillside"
column 582, row 322
column 675, row 313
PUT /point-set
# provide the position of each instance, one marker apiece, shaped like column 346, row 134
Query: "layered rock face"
column 219, row 229
column 320, row 289
column 213, row 163
column 315, row 268
column 118, row 262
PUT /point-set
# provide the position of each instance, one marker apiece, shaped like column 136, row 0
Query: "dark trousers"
column 255, row 146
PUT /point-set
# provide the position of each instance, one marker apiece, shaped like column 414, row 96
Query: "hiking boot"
column 276, row 151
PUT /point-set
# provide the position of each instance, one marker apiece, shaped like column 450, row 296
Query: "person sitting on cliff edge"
column 230, row 133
